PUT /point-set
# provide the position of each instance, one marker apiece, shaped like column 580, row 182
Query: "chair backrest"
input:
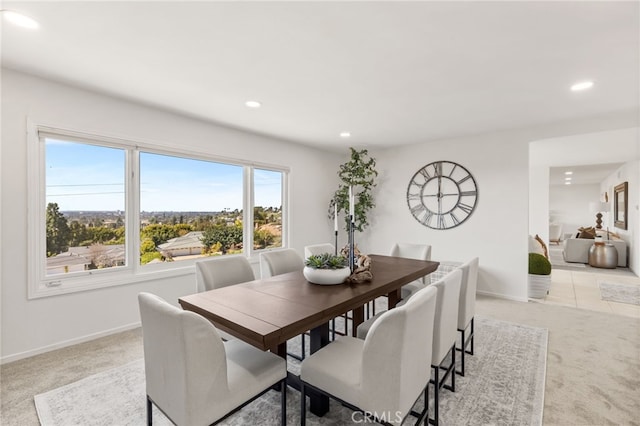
column 412, row 251
column 397, row 354
column 467, row 304
column 319, row 249
column 222, row 271
column 446, row 321
column 184, row 359
column 280, row 262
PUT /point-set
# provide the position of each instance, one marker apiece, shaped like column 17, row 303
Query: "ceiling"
column 582, row 175
column 391, row 73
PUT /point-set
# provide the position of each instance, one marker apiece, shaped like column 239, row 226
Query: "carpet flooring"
column 504, row 385
column 621, row 293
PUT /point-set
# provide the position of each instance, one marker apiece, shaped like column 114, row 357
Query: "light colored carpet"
column 622, row 293
column 504, row 385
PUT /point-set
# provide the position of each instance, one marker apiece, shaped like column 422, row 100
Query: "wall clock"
column 442, row 195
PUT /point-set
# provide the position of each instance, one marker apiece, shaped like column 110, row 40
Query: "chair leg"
column 303, row 405
column 453, row 367
column 436, row 395
column 464, row 349
column 426, row 405
column 472, row 334
column 149, row 412
column 283, row 402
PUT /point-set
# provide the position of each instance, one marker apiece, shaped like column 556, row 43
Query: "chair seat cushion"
column 250, row 370
column 336, row 368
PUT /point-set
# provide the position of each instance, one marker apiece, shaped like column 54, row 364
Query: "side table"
column 603, row 255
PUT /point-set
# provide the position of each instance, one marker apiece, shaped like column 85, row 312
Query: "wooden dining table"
column 267, row 312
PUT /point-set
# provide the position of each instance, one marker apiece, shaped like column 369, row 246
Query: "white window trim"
column 40, row 285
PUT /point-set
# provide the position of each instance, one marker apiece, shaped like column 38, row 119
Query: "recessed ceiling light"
column 20, row 20
column 583, row 85
column 568, row 173
column 568, row 182
column 253, row 104
column 345, row 134
column 567, row 178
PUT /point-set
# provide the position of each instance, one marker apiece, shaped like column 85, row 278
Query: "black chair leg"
column 303, row 405
column 472, row 334
column 149, row 412
column 453, row 368
column 283, row 402
column 436, row 395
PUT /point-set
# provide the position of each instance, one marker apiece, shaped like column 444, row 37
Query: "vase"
column 326, row 276
column 539, row 285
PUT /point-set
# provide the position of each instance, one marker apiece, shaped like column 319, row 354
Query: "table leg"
column 358, row 318
column 319, row 339
column 394, row 298
column 280, row 350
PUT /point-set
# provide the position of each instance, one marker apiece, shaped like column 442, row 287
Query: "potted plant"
column 326, row 269
column 358, row 173
column 539, row 276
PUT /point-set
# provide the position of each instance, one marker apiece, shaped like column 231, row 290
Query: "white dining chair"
column 222, row 271
column 194, row 377
column 280, row 262
column 386, row 373
column 412, row 251
column 467, row 308
column 445, row 334
column 409, row 251
column 315, row 249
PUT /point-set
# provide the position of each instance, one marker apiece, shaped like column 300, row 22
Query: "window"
column 112, row 212
column 267, row 209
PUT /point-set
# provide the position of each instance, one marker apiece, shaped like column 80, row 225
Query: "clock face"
column 442, row 195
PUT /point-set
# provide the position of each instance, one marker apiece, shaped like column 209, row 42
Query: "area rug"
column 621, row 293
column 504, row 385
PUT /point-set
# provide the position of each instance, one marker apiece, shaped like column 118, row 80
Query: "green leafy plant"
column 360, row 174
column 326, row 261
column 539, row 265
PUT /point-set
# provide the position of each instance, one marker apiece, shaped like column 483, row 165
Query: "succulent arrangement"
column 539, row 265
column 326, row 261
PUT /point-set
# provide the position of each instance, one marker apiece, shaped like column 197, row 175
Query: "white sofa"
column 577, row 250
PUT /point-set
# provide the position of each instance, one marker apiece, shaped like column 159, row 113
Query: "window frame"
column 41, row 285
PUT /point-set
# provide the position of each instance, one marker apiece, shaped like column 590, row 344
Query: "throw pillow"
column 545, row 252
column 588, row 233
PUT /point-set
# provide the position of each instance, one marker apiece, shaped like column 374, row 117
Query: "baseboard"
column 502, row 296
column 64, row 344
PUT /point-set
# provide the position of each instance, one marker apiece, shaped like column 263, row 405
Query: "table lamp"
column 598, row 207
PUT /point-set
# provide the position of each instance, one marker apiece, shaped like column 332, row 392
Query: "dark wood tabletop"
column 268, row 312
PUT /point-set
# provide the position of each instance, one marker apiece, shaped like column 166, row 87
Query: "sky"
column 91, row 178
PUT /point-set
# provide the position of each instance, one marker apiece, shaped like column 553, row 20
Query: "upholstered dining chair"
column 467, row 308
column 384, row 374
column 315, row 249
column 194, row 377
column 222, row 271
column 412, row 251
column 279, row 262
column 409, row 251
column 445, row 333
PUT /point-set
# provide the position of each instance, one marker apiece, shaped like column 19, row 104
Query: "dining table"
column 268, row 312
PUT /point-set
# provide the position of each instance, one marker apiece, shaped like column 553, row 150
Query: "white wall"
column 32, row 326
column 569, row 206
column 497, row 229
column 629, row 172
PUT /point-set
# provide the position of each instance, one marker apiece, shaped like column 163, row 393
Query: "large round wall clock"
column 442, row 195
